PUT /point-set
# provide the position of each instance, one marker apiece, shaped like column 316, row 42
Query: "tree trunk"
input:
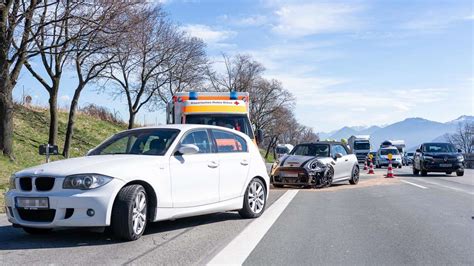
column 71, row 120
column 6, row 118
column 53, row 114
column 270, row 144
column 131, row 120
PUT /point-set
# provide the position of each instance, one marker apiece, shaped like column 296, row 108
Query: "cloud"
column 436, row 20
column 209, row 34
column 298, row 20
column 255, row 20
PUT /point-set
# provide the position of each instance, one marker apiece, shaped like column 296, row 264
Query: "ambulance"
column 226, row 109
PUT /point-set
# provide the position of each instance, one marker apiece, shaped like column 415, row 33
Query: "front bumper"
column 295, row 176
column 395, row 163
column 62, row 203
column 431, row 166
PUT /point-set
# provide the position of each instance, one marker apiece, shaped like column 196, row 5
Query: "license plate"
column 289, row 174
column 445, row 165
column 32, row 203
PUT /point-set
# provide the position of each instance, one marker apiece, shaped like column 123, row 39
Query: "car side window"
column 200, row 138
column 229, row 142
column 342, row 150
column 338, row 149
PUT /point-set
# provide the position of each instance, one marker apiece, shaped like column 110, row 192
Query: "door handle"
column 347, row 160
column 244, row 162
column 213, row 164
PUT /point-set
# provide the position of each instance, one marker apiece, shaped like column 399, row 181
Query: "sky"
column 348, row 63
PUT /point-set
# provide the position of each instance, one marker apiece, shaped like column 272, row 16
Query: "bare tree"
column 187, row 71
column 143, row 59
column 241, row 74
column 463, row 138
column 52, row 37
column 15, row 21
column 90, row 54
column 267, row 98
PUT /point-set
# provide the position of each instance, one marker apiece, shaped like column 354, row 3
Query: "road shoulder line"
column 237, row 251
column 413, row 184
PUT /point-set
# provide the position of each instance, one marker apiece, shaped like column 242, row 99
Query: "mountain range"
column 413, row 131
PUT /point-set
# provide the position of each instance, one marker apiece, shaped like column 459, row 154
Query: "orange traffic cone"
column 390, row 170
column 371, row 169
column 365, row 165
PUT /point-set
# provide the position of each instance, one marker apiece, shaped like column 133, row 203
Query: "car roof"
column 186, row 127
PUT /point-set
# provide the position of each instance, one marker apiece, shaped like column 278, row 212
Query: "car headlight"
column 316, row 166
column 11, row 182
column 460, row 158
column 427, row 157
column 85, row 181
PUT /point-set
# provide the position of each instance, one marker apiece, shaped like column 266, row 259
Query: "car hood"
column 297, row 160
column 111, row 165
column 441, row 155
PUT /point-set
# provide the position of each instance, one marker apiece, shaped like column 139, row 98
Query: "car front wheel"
column 460, row 173
column 415, row 171
column 355, row 176
column 255, row 199
column 129, row 214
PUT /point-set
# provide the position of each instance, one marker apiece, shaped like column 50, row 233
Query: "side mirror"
column 338, row 155
column 418, row 150
column 89, row 152
column 188, row 149
column 459, row 150
column 259, row 136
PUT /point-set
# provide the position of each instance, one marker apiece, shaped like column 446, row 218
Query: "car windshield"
column 320, row 150
column 438, row 147
column 409, row 153
column 282, row 150
column 138, row 142
column 237, row 122
column 362, row 146
column 388, row 151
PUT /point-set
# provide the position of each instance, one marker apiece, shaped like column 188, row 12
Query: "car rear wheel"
column 37, row 231
column 255, row 199
column 129, row 214
column 460, row 173
column 355, row 176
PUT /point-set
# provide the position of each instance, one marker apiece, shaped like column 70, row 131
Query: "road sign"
column 390, row 156
column 371, row 156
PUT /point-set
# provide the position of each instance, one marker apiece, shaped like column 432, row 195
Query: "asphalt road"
column 405, row 220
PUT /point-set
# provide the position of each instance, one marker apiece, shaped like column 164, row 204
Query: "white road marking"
column 413, row 184
column 448, row 187
column 237, row 251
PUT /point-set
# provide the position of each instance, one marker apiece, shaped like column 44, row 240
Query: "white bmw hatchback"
column 140, row 176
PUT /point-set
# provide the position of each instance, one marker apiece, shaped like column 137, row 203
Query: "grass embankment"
column 31, row 130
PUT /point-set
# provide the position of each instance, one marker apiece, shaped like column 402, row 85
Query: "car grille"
column 26, row 184
column 37, row 215
column 41, row 183
column 44, row 183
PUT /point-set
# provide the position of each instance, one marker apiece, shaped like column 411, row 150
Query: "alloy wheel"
column 256, row 197
column 139, row 213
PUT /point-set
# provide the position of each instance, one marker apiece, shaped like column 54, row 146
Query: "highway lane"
column 397, row 223
column 184, row 241
column 378, row 221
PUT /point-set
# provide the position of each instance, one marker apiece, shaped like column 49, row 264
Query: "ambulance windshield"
column 238, row 122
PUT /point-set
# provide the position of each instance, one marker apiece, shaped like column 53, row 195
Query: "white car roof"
column 186, row 127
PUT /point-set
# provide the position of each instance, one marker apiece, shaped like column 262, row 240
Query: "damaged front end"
column 309, row 174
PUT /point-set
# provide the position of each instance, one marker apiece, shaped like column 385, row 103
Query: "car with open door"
column 140, row 176
column 317, row 164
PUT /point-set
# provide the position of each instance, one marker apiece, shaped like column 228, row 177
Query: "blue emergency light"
column 193, row 95
column 233, row 95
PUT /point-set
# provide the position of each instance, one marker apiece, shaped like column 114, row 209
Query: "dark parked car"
column 408, row 158
column 438, row 157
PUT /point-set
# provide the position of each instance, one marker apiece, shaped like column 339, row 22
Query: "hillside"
column 31, row 130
